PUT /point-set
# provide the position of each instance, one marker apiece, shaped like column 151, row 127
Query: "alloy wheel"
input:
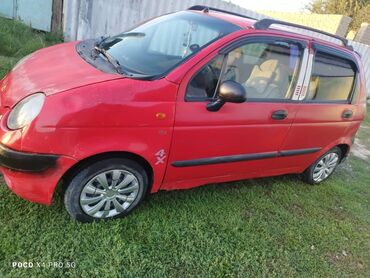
column 325, row 167
column 109, row 193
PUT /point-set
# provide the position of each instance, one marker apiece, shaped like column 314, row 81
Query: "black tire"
column 308, row 174
column 77, row 183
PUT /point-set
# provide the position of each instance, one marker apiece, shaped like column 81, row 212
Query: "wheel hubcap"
column 325, row 167
column 109, row 193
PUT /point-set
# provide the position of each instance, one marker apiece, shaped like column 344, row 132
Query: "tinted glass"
column 332, row 78
column 159, row 45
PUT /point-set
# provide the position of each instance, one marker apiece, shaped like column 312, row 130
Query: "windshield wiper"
column 110, row 59
column 102, row 39
column 132, row 34
column 123, row 35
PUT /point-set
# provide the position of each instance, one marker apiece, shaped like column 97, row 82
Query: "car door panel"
column 238, row 141
column 226, row 134
column 326, row 122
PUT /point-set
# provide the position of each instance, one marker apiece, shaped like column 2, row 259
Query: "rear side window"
column 332, row 78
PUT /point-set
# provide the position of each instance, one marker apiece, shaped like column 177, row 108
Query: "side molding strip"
column 241, row 157
column 298, row 152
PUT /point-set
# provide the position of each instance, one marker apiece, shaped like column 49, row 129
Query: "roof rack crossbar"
column 207, row 9
column 267, row 22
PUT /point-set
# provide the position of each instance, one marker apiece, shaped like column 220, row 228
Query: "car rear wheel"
column 106, row 189
column 324, row 167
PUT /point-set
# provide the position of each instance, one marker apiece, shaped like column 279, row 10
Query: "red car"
column 189, row 98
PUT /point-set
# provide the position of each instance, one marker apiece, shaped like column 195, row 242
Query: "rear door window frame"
column 335, row 53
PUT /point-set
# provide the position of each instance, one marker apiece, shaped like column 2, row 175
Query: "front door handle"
column 347, row 114
column 279, row 114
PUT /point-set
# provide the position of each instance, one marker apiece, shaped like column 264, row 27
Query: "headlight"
column 26, row 111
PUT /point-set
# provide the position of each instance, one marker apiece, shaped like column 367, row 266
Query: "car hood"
column 49, row 70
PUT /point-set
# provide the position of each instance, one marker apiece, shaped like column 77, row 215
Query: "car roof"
column 248, row 23
column 245, row 23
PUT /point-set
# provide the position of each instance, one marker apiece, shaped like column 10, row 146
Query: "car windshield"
column 159, row 45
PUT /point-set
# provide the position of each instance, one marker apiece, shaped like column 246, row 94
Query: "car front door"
column 240, row 140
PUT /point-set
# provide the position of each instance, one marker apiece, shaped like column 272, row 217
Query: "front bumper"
column 26, row 162
column 33, row 176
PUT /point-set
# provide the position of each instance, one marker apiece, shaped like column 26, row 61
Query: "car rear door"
column 239, row 140
column 326, row 113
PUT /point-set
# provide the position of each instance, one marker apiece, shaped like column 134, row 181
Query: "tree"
column 358, row 10
column 362, row 16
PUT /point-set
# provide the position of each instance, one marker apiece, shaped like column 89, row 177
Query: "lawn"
column 265, row 227
column 17, row 40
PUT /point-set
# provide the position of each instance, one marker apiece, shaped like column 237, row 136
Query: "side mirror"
column 229, row 91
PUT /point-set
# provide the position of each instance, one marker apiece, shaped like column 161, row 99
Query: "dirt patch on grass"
column 338, row 212
column 345, row 260
column 296, row 209
column 360, row 150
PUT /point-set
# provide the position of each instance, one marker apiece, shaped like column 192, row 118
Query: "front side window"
column 159, row 45
column 204, row 83
column 266, row 70
column 332, row 78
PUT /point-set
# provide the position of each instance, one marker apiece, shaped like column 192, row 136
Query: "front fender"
column 120, row 115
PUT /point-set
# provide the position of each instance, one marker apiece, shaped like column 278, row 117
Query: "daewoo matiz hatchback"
column 189, row 98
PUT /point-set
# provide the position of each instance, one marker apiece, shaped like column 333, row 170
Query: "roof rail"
column 267, row 22
column 206, row 9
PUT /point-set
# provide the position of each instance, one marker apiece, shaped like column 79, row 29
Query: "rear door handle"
column 347, row 114
column 279, row 114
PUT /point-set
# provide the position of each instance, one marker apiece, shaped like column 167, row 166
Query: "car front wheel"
column 106, row 189
column 322, row 168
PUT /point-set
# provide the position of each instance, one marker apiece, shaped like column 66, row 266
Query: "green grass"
column 17, row 40
column 264, row 227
